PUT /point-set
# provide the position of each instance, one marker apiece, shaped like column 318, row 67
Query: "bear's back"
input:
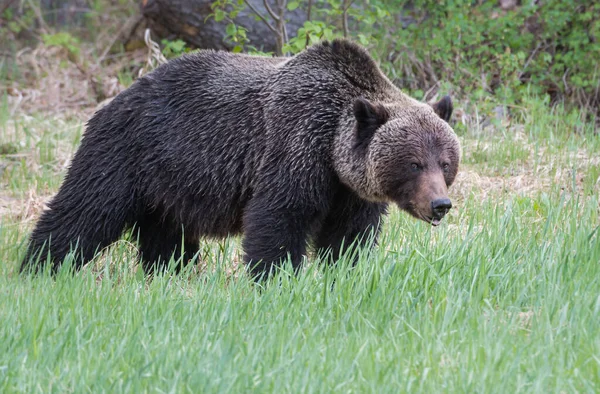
column 190, row 134
column 217, row 69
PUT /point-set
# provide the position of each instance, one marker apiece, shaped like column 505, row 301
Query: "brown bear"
column 292, row 152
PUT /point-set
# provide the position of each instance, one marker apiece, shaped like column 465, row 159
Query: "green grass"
column 503, row 297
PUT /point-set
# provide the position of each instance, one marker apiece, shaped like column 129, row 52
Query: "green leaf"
column 308, row 25
column 230, row 29
column 14, row 27
column 381, row 13
column 219, row 15
column 363, row 39
column 292, row 5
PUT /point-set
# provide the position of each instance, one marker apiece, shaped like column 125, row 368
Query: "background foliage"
column 491, row 50
column 550, row 47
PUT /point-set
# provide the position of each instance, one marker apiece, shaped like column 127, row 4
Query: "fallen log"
column 189, row 20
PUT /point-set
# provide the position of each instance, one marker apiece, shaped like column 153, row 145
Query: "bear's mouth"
column 429, row 217
column 431, row 220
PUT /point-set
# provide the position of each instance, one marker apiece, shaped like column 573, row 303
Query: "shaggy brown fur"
column 288, row 152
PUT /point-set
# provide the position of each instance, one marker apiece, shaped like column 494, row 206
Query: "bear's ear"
column 444, row 108
column 369, row 117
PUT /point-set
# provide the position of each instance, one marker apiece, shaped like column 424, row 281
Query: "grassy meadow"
column 503, row 297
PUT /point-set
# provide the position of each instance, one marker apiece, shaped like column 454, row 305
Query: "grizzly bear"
column 307, row 150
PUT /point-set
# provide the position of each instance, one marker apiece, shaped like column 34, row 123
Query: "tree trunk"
column 188, row 20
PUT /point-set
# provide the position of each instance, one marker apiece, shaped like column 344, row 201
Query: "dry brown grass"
column 541, row 171
column 63, row 91
column 54, row 81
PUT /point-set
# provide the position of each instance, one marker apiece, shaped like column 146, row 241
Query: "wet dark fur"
column 216, row 144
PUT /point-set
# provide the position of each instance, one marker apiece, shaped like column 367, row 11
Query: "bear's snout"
column 430, row 201
column 440, row 208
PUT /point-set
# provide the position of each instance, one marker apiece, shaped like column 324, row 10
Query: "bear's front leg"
column 352, row 223
column 274, row 233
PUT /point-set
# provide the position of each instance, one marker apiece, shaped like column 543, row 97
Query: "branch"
column 308, row 19
column 131, row 23
column 270, row 11
column 132, row 31
column 261, row 16
column 38, row 15
column 285, row 34
column 347, row 4
column 282, row 7
column 522, row 72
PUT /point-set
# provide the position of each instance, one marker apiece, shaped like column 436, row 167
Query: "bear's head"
column 406, row 154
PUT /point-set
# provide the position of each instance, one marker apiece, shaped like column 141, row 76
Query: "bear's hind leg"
column 77, row 221
column 160, row 239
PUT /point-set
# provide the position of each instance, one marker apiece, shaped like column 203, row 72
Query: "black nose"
column 440, row 207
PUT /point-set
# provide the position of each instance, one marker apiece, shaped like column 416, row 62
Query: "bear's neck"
column 352, row 167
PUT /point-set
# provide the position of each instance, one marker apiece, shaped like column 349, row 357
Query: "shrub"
column 546, row 47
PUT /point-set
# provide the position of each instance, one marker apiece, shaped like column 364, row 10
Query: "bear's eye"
column 446, row 167
column 415, row 167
